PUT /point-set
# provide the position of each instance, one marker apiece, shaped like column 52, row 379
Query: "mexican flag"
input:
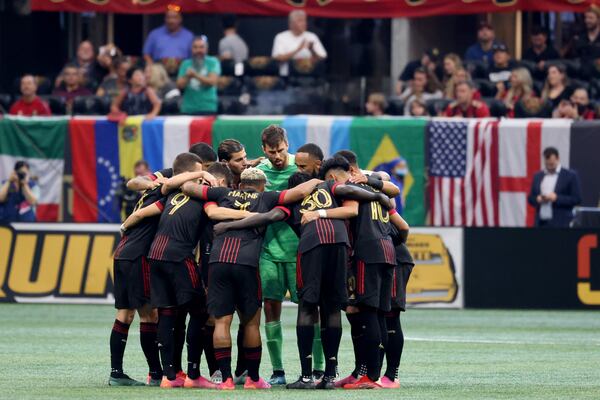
column 40, row 142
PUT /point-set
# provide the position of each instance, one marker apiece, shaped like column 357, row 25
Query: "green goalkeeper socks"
column 274, row 344
column 317, row 351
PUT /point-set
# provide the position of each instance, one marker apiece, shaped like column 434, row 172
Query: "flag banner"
column 40, row 142
column 463, row 173
column 377, row 141
column 247, row 130
column 331, row 134
column 585, row 144
column 318, row 8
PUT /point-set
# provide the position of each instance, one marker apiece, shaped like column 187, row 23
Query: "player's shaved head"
column 334, row 167
column 186, row 162
column 221, row 171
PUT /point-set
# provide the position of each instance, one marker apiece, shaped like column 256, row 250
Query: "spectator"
column 85, row 60
column 170, row 43
column 116, row 81
column 461, row 75
column 106, row 56
column 566, row 109
column 482, row 50
column 130, row 198
column 500, row 71
column 138, row 99
column 452, row 63
column 418, row 90
column 198, row 79
column 554, row 192
column 555, row 88
column 581, row 98
column 418, row 109
column 587, row 45
column 465, row 106
column 233, row 154
column 521, row 88
column 376, row 105
column 232, row 46
column 428, row 61
column 29, row 104
column 158, row 79
column 297, row 43
column 71, row 85
column 19, row 195
column 540, row 51
column 397, row 169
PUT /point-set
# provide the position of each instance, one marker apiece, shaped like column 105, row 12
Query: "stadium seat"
column 229, row 85
column 265, row 83
column 5, row 102
column 533, row 108
column 497, row 107
column 227, row 68
column 477, row 69
column 170, row 106
column 88, row 105
column 56, row 103
column 307, row 67
column 573, row 67
column 231, row 105
column 395, row 107
column 485, row 87
column 436, row 106
column 261, row 66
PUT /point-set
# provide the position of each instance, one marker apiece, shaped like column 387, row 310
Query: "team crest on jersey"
column 130, row 133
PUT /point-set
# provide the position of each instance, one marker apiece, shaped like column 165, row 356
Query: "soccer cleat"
column 123, row 380
column 363, row 383
column 277, row 379
column 198, row 383
column 240, row 380
column 318, row 375
column 227, row 385
column 259, row 384
column 181, row 375
column 168, row 384
column 387, row 383
column 152, row 382
column 217, row 377
column 302, row 383
column 349, row 379
column 327, row 383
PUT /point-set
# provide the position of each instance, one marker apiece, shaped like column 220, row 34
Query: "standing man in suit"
column 554, row 192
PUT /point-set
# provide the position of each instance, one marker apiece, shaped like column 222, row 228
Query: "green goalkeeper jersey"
column 281, row 243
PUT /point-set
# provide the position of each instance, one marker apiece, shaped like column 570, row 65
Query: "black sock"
column 331, row 335
column 305, row 335
column 179, row 338
column 371, row 342
column 150, row 348
column 209, row 350
column 384, row 339
column 223, row 356
column 241, row 364
column 194, row 342
column 357, row 333
column 118, row 341
column 253, row 356
column 395, row 346
column 166, row 345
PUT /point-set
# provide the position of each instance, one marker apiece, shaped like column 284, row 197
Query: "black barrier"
column 532, row 268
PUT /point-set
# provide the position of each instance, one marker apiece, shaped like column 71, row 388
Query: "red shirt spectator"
column 465, row 106
column 29, row 104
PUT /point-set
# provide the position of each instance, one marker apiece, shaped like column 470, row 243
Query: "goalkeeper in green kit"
column 278, row 258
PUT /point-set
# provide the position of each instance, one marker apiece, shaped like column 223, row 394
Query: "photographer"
column 19, row 195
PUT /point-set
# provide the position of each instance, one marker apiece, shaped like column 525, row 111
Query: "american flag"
column 463, row 173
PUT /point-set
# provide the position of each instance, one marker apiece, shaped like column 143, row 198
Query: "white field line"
column 496, row 341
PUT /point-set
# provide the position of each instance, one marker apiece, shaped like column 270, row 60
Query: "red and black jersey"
column 372, row 243
column 137, row 240
column 179, row 228
column 242, row 246
column 162, row 173
column 323, row 230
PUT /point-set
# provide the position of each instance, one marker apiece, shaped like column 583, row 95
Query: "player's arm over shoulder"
column 254, row 221
column 217, row 213
column 145, row 212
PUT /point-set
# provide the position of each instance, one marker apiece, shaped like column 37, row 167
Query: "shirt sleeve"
column 183, row 68
column 272, row 199
column 215, row 67
column 213, row 194
column 160, row 203
column 318, row 47
column 277, row 46
column 149, row 45
column 163, row 173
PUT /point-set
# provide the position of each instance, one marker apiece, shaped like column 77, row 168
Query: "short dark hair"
column 185, row 162
column 348, row 155
column 229, row 21
column 20, row 164
column 311, row 149
column 335, row 162
column 141, row 162
column 220, row 170
column 70, row 66
column 298, row 178
column 272, row 135
column 420, row 70
column 538, row 30
column 227, row 147
column 550, row 151
column 132, row 71
column 204, row 151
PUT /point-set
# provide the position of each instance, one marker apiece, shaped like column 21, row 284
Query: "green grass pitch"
column 61, row 352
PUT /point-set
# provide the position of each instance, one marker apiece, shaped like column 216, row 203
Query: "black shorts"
column 321, row 275
column 132, row 283
column 401, row 274
column 371, row 285
column 233, row 287
column 175, row 283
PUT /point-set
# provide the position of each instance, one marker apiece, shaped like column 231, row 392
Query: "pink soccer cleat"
column 363, row 383
column 387, row 383
column 198, row 383
column 227, row 385
column 167, row 384
column 181, row 375
column 347, row 380
column 259, row 384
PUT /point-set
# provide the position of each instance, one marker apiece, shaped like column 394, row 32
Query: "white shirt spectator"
column 286, row 42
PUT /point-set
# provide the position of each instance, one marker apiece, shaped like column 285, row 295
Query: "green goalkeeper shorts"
column 277, row 278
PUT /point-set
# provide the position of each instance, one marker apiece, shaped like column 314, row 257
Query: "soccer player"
column 405, row 264
column 233, row 279
column 175, row 277
column 309, row 158
column 278, row 258
column 233, row 154
column 132, row 292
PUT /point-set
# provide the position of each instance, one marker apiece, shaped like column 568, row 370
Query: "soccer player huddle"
column 210, row 240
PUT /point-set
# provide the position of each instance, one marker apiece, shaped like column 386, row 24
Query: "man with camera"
column 19, row 195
